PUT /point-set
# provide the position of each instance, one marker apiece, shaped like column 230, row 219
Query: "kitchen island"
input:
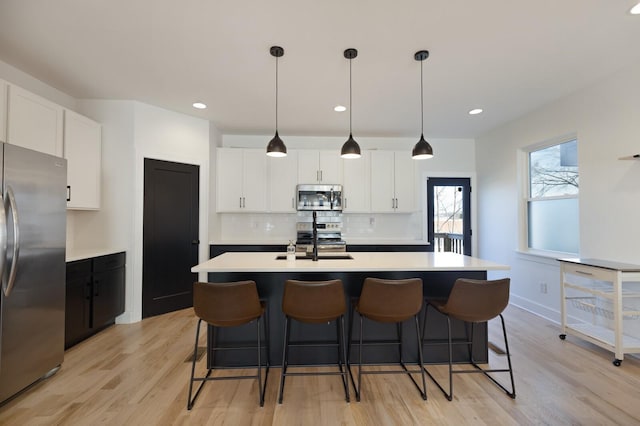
column 437, row 270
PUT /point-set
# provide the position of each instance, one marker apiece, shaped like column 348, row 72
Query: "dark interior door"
column 170, row 236
column 449, row 214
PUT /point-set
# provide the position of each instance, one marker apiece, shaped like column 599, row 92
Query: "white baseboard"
column 535, row 308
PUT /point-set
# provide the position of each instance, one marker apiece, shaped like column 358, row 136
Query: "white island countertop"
column 73, row 254
column 362, row 261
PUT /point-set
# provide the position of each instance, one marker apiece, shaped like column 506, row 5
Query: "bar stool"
column 229, row 304
column 388, row 301
column 473, row 301
column 314, row 302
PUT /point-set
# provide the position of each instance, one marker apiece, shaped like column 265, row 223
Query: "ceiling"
column 507, row 57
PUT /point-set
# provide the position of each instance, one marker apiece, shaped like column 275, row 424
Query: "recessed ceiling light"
column 635, row 10
column 340, row 108
column 199, row 105
column 475, row 111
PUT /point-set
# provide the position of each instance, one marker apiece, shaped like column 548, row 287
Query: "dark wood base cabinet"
column 95, row 295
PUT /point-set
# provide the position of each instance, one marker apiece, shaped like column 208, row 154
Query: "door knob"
column 195, row 242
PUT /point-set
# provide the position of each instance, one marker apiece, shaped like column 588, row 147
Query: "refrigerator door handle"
column 16, row 242
column 3, row 240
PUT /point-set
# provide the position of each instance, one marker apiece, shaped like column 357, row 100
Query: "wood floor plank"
column 137, row 374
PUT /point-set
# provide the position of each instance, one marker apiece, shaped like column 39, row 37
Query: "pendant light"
column 422, row 149
column 276, row 147
column 350, row 149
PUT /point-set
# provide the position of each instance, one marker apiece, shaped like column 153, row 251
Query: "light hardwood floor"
column 136, row 374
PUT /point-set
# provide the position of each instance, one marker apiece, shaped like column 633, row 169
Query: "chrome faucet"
column 315, row 237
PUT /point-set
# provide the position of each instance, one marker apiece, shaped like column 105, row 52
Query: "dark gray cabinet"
column 94, row 296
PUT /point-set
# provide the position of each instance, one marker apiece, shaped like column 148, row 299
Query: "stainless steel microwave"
column 319, row 197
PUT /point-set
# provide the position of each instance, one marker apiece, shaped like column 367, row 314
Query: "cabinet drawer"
column 78, row 269
column 111, row 261
column 590, row 272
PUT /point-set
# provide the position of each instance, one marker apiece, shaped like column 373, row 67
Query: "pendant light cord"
column 421, row 102
column 276, row 94
column 350, row 102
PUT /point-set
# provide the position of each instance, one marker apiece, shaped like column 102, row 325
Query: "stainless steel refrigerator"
column 32, row 266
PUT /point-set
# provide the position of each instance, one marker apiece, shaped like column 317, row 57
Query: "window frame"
column 524, row 195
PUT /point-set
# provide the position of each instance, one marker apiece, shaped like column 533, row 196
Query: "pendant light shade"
column 350, row 149
column 276, row 147
column 422, row 150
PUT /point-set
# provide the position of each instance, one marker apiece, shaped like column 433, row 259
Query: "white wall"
column 453, row 158
column 605, row 118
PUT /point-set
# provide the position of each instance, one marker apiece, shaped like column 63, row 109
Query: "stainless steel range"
column 329, row 227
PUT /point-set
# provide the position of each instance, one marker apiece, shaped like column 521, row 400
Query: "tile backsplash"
column 279, row 228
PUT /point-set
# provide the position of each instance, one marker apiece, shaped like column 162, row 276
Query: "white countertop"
column 362, row 261
column 73, row 254
column 352, row 241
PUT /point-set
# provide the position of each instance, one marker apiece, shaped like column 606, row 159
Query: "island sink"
column 334, row 256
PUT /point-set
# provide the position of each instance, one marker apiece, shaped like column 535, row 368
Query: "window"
column 552, row 198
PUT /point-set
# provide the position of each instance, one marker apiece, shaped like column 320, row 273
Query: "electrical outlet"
column 543, row 288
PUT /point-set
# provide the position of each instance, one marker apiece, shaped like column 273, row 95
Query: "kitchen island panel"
column 436, row 284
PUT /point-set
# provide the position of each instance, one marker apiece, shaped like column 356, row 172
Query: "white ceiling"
column 508, row 57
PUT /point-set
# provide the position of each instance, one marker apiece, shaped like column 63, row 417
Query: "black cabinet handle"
column 68, row 192
column 96, row 288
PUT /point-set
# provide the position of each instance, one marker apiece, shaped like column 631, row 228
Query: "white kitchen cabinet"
column 392, row 182
column 34, row 122
column 283, row 175
column 241, row 180
column 356, row 190
column 600, row 303
column 319, row 167
column 3, row 111
column 83, row 151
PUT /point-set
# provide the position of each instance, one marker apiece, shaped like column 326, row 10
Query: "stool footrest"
column 377, row 342
column 319, row 373
column 312, row 344
column 202, row 379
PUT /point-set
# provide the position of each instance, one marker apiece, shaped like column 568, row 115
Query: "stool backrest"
column 390, row 300
column 477, row 300
column 226, row 304
column 313, row 301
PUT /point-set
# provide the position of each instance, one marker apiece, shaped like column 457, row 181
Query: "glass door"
column 449, row 214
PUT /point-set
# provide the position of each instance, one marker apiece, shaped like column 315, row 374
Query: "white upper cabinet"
column 319, row 167
column 404, row 181
column 283, row 175
column 34, row 122
column 356, row 191
column 392, row 182
column 3, row 111
column 83, row 151
column 241, row 180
